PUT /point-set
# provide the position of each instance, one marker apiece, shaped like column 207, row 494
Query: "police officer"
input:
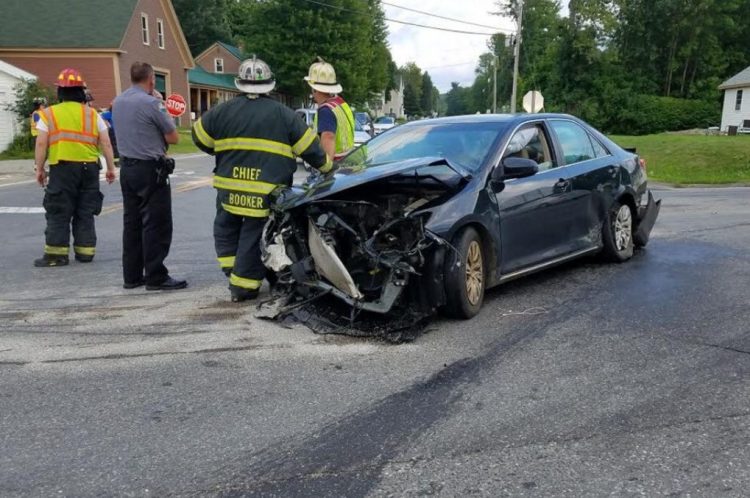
column 334, row 120
column 255, row 140
column 143, row 132
column 70, row 135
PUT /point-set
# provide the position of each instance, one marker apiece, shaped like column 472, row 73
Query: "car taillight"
column 642, row 163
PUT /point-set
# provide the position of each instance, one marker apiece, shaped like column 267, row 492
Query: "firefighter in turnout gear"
column 334, row 120
column 256, row 141
column 70, row 136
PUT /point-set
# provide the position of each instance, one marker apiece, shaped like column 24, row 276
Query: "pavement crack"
column 121, row 356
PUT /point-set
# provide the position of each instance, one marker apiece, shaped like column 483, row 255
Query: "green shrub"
column 647, row 114
column 22, row 147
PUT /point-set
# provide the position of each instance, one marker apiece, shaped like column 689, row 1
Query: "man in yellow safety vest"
column 70, row 136
column 334, row 121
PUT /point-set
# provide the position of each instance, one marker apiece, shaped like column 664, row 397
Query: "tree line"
column 624, row 65
column 290, row 34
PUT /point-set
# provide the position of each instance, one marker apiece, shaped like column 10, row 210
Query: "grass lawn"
column 186, row 145
column 693, row 159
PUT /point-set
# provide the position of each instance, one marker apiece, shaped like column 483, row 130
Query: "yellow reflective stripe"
column 56, row 250
column 327, row 166
column 251, row 186
column 245, row 283
column 201, row 135
column 69, row 136
column 303, row 143
column 226, row 261
column 257, row 144
column 240, row 211
column 84, row 251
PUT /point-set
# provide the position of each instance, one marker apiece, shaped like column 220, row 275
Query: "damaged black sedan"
column 429, row 215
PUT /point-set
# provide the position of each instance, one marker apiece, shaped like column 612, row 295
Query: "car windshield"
column 361, row 117
column 385, row 120
column 358, row 126
column 466, row 144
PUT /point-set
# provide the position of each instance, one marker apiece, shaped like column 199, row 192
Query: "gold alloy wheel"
column 474, row 273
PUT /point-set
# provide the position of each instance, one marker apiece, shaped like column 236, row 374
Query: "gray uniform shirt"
column 140, row 125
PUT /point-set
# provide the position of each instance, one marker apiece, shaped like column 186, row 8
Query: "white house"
column 10, row 76
column 736, row 109
column 394, row 104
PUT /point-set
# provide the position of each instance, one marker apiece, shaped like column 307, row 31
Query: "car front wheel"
column 618, row 234
column 465, row 279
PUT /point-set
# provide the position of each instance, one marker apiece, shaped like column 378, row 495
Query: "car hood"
column 435, row 169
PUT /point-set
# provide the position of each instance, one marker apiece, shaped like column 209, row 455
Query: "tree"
column 290, row 35
column 411, row 102
column 23, row 105
column 426, row 101
column 204, row 22
column 457, row 100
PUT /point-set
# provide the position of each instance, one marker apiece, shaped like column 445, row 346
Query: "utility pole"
column 517, row 54
column 494, row 85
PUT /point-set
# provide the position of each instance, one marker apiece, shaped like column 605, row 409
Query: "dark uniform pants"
column 147, row 222
column 72, row 196
column 237, row 241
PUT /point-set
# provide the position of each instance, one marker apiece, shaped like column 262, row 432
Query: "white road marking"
column 17, row 183
column 21, row 210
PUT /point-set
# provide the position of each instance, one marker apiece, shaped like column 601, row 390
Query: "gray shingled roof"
column 740, row 79
column 65, row 23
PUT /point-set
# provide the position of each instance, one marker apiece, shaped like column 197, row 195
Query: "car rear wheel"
column 465, row 280
column 618, row 233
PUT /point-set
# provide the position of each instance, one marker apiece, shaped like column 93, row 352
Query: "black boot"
column 51, row 260
column 227, row 272
column 240, row 295
column 84, row 259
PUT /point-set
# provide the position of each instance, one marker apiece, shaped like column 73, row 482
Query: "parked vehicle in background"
column 384, row 123
column 307, row 115
column 360, row 134
column 365, row 121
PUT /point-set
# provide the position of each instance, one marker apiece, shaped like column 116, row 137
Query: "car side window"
column 531, row 143
column 599, row 149
column 574, row 141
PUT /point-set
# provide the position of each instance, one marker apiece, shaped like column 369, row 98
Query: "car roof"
column 493, row 118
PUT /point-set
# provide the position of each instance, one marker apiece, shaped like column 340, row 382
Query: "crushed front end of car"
column 354, row 252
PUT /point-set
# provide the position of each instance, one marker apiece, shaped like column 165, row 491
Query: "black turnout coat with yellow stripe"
column 256, row 142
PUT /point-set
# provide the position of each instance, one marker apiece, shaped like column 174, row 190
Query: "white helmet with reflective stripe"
column 322, row 77
column 254, row 76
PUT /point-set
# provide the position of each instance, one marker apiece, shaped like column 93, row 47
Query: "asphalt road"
column 588, row 380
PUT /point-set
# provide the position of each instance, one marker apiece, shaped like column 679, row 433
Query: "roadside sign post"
column 533, row 102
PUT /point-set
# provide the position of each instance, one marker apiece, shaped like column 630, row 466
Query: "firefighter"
column 71, row 136
column 334, row 120
column 256, row 141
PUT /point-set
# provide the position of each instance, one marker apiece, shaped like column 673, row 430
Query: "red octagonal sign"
column 176, row 105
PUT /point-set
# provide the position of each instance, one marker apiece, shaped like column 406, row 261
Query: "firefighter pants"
column 72, row 197
column 147, row 223
column 237, row 241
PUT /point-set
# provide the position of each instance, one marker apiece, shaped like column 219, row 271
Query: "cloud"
column 446, row 56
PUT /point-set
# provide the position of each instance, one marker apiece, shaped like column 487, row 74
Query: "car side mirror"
column 515, row 167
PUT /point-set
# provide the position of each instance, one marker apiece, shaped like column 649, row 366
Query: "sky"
column 446, row 56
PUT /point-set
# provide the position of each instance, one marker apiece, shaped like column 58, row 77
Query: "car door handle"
column 562, row 184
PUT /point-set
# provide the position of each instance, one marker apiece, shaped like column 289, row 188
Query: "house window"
column 738, row 102
column 160, row 33
column 219, row 65
column 144, row 28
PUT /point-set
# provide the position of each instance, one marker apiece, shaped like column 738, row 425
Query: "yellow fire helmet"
column 322, row 77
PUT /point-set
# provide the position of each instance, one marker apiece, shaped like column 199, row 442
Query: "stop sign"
column 176, row 105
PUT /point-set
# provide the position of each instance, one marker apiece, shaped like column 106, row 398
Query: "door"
column 534, row 211
column 594, row 175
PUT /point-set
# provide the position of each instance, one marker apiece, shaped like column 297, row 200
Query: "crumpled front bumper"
column 647, row 215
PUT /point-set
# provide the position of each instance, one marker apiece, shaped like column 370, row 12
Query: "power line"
column 336, row 7
column 452, row 65
column 441, row 17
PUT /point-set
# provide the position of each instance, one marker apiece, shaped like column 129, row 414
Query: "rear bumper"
column 646, row 219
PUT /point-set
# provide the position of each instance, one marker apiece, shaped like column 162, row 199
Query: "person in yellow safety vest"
column 71, row 135
column 334, row 121
column 39, row 105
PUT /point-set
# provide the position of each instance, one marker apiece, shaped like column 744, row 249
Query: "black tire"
column 464, row 289
column 617, row 233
